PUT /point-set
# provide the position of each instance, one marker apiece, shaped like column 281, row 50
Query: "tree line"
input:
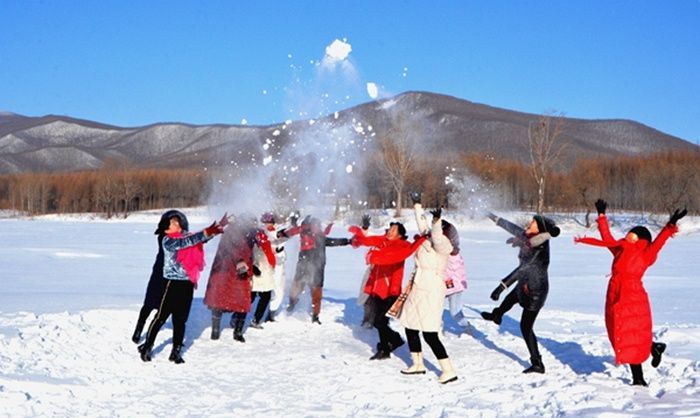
column 655, row 183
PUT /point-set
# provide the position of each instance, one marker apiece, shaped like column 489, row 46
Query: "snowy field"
column 71, row 289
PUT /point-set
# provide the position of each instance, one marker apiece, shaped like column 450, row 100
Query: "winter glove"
column 600, row 206
column 515, row 241
column 366, row 221
column 294, row 218
column 677, row 215
column 256, row 270
column 242, row 269
column 497, row 291
column 415, row 197
column 437, row 213
column 279, row 249
column 213, row 229
column 225, row 220
column 492, row 216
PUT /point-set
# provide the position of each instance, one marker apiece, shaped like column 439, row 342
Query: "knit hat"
column 545, row 224
column 164, row 223
column 641, row 232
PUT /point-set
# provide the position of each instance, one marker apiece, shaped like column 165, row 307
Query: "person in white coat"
column 277, row 239
column 422, row 311
column 264, row 266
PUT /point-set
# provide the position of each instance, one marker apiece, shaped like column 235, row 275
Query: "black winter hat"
column 545, row 224
column 164, row 223
column 641, row 232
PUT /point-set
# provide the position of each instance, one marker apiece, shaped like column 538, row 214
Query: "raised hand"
column 294, row 218
column 601, row 205
column 677, row 215
column 225, row 220
column 492, row 216
column 213, row 229
column 366, row 221
column 437, row 213
column 416, row 197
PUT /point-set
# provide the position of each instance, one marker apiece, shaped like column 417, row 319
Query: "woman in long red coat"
column 229, row 287
column 627, row 309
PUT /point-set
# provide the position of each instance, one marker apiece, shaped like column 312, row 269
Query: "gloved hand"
column 294, row 218
column 515, row 241
column 213, row 229
column 366, row 221
column 279, row 249
column 416, row 197
column 492, row 216
column 225, row 220
column 677, row 215
column 242, row 269
column 256, row 270
column 600, row 206
column 437, row 213
column 497, row 291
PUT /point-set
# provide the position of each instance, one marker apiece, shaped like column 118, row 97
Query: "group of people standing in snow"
column 249, row 265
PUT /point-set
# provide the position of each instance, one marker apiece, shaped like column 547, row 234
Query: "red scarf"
column 191, row 259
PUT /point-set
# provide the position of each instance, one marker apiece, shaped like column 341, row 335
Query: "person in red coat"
column 627, row 309
column 228, row 288
column 385, row 279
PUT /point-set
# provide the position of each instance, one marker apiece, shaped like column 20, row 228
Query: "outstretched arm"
column 392, row 255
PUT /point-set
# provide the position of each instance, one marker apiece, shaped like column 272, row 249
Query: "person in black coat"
column 156, row 283
column 531, row 277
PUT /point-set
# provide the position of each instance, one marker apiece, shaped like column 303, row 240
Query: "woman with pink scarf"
column 183, row 260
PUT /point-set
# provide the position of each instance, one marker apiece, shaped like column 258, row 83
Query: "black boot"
column 315, row 320
column 656, row 350
column 382, row 353
column 137, row 332
column 215, row 327
column 637, row 375
column 496, row 316
column 145, row 352
column 238, row 330
column 537, row 366
column 176, row 355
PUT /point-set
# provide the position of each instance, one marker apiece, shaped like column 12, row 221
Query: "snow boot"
column 496, row 316
column 176, row 355
column 215, row 327
column 656, row 350
column 255, row 324
column 315, row 320
column 537, row 366
column 137, row 332
column 448, row 373
column 381, row 354
column 238, row 330
column 418, row 367
column 145, row 352
column 637, row 375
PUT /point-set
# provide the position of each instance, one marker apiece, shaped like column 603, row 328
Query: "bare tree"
column 545, row 148
column 398, row 152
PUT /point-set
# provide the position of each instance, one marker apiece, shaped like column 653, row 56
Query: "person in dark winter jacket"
column 627, row 309
column 156, row 283
column 385, row 278
column 229, row 285
column 311, row 263
column 183, row 260
column 531, row 278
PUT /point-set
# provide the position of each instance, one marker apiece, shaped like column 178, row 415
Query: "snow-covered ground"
column 71, row 288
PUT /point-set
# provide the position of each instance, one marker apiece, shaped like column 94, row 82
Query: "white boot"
column 417, row 367
column 448, row 373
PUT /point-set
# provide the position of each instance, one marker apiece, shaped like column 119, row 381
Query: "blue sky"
column 132, row 63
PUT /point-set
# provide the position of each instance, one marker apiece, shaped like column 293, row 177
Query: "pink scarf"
column 191, row 259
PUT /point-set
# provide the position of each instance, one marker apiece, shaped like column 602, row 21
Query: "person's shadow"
column 569, row 353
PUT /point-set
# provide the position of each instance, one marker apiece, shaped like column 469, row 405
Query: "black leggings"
column 527, row 322
column 388, row 338
column 263, row 303
column 431, row 338
column 176, row 301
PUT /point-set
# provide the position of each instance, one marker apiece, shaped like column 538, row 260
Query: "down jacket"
column 627, row 310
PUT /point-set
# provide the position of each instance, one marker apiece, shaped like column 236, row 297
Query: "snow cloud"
column 372, row 90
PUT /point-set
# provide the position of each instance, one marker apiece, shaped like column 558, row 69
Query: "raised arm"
column 441, row 244
column 510, row 227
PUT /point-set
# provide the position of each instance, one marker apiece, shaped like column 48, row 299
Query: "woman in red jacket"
column 627, row 309
column 385, row 279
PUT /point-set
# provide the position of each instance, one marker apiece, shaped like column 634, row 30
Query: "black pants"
column 527, row 322
column 387, row 336
column 263, row 303
column 431, row 338
column 176, row 301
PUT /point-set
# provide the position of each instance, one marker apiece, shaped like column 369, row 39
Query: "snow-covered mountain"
column 57, row 143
